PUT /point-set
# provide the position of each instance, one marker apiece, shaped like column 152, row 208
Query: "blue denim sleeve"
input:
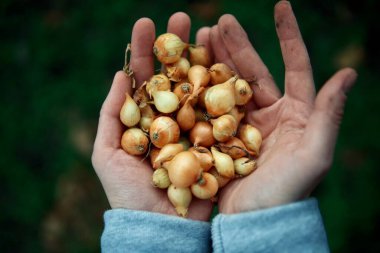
column 139, row 231
column 295, row 227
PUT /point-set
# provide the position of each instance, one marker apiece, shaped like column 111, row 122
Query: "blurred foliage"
column 57, row 62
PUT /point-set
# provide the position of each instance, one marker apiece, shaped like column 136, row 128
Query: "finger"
column 110, row 128
column 298, row 72
column 322, row 129
column 179, row 23
column 219, row 50
column 203, row 38
column 247, row 61
column 142, row 59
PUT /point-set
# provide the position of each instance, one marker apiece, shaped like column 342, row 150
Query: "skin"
column 299, row 128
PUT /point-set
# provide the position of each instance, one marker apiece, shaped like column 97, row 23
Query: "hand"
column 299, row 128
column 125, row 179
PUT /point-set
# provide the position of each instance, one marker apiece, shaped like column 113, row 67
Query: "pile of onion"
column 187, row 120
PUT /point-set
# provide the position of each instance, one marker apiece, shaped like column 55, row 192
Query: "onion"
column 168, row 48
column 183, row 89
column 234, row 148
column 178, row 70
column 158, row 82
column 141, row 96
column 180, row 199
column 165, row 101
column 204, row 157
column 201, row 134
column 167, row 153
column 134, row 141
column 219, row 73
column 243, row 92
column 130, row 112
column 147, row 117
column 198, row 76
column 206, row 187
column 223, row 128
column 251, row 138
column 220, row 98
column 186, row 116
column 202, row 97
column 199, row 55
column 153, row 154
column 244, row 166
column 164, row 130
column 222, row 181
column 160, row 178
column 237, row 113
column 184, row 169
column 223, row 163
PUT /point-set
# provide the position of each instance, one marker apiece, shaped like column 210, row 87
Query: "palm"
column 298, row 128
column 126, row 179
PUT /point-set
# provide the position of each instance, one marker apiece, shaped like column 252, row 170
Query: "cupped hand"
column 299, row 128
column 125, row 178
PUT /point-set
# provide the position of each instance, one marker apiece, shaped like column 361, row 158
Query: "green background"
column 57, row 61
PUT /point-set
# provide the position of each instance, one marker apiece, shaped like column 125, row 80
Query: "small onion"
column 186, row 116
column 180, row 199
column 234, row 148
column 199, row 55
column 222, row 181
column 153, row 154
column 204, row 157
column 130, row 112
column 147, row 117
column 183, row 89
column 158, row 82
column 251, row 137
column 160, row 178
column 224, row 128
column 141, row 96
column 134, row 141
column 223, row 163
column 244, row 166
column 167, row 153
column 243, row 92
column 219, row 73
column 198, row 76
column 220, row 98
column 168, row 48
column 184, row 169
column 164, row 130
column 206, row 187
column 165, row 101
column 237, row 113
column 201, row 134
column 178, row 70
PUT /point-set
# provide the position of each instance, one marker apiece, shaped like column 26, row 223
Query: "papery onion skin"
column 167, row 153
column 201, row 134
column 198, row 76
column 165, row 101
column 178, row 70
column 222, row 181
column 206, row 187
column 220, row 98
column 224, row 128
column 180, row 198
column 244, row 166
column 160, row 178
column 147, row 117
column 184, row 169
column 198, row 55
column 204, row 157
column 130, row 113
column 219, row 73
column 134, row 141
column 251, row 137
column 234, row 148
column 223, row 163
column 164, row 130
column 168, row 48
column 243, row 92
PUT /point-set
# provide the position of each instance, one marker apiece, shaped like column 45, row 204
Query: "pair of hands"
column 299, row 128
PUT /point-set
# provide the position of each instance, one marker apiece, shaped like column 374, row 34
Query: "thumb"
column 323, row 125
